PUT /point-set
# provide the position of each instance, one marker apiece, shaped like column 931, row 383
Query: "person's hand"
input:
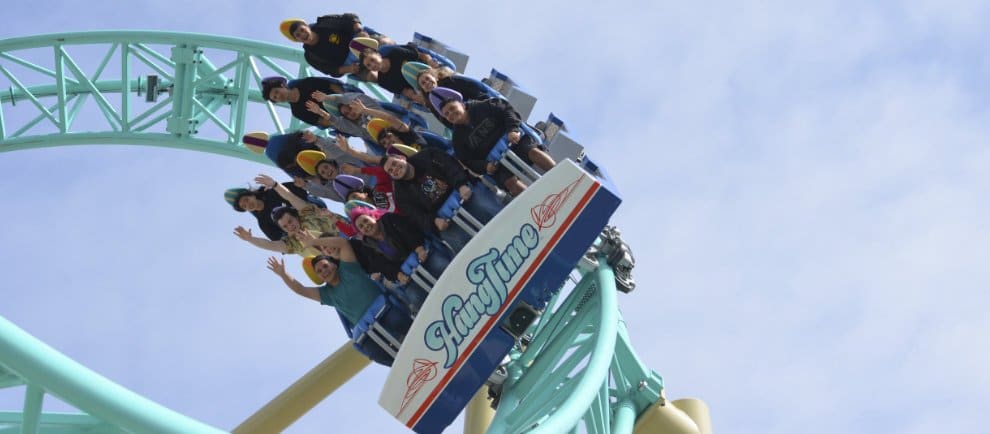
column 402, row 278
column 342, row 143
column 418, row 98
column 357, row 105
column 319, row 96
column 375, row 276
column 350, row 169
column 331, row 251
column 349, row 69
column 277, row 265
column 429, row 60
column 299, row 182
column 441, row 224
column 465, row 192
column 244, row 234
column 421, row 253
column 305, row 238
column 265, row 180
column 317, row 109
column 308, row 136
column 515, row 136
column 491, row 168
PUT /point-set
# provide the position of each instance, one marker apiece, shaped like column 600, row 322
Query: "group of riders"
column 396, row 196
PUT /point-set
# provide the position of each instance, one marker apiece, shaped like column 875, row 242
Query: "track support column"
column 479, row 414
column 306, row 392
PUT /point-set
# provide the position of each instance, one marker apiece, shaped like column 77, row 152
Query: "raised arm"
column 362, row 156
column 392, row 120
column 325, row 120
column 277, row 265
column 346, row 252
column 296, row 201
column 427, row 59
column 275, row 246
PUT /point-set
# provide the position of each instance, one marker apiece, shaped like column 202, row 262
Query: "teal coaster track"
column 199, row 92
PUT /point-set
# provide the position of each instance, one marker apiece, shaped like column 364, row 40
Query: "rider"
column 297, row 92
column 282, row 148
column 424, row 79
column 478, row 126
column 298, row 221
column 347, row 288
column 261, row 202
column 349, row 113
column 326, row 41
column 386, row 62
column 423, row 182
column 395, row 236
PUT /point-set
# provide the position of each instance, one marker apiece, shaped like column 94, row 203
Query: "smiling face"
column 325, row 269
column 372, row 60
column 427, row 82
column 250, row 202
column 454, row 112
column 367, row 225
column 302, row 33
column 349, row 112
column 327, row 170
column 289, row 223
column 396, row 167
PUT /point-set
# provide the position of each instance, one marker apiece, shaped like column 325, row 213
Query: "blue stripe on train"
column 549, row 277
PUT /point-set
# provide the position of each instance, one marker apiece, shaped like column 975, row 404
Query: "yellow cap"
column 307, row 265
column 307, row 160
column 286, row 27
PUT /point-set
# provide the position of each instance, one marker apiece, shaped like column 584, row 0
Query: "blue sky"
column 805, row 190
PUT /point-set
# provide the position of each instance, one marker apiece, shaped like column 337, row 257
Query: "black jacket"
column 306, row 88
column 272, row 200
column 402, row 235
column 286, row 158
column 491, row 119
column 436, row 176
column 334, row 34
column 469, row 88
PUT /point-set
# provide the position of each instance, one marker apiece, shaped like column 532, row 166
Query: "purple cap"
column 345, row 184
column 442, row 95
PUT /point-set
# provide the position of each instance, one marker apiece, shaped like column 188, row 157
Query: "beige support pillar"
column 664, row 417
column 697, row 410
column 306, row 392
column 479, row 414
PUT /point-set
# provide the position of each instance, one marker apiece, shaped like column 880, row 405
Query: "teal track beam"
column 85, row 389
column 197, row 103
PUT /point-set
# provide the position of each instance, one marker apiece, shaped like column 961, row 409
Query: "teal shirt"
column 353, row 295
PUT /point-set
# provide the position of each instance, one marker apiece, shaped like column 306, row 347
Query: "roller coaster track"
column 199, row 92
